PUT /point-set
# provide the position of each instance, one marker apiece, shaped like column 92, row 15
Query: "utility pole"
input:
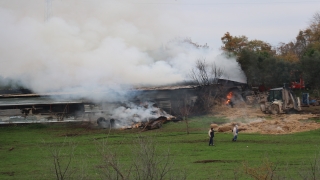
column 48, row 12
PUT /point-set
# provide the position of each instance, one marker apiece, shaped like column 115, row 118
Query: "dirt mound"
column 225, row 128
column 214, row 126
column 252, row 120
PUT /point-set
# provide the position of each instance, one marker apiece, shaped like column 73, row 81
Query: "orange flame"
column 229, row 96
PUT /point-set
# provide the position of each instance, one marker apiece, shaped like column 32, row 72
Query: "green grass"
column 25, row 150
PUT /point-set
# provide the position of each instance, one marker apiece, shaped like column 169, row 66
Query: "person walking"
column 235, row 133
column 211, row 135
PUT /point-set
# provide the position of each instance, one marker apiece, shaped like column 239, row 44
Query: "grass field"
column 26, row 151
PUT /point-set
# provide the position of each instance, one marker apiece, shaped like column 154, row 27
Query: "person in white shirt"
column 211, row 135
column 235, row 133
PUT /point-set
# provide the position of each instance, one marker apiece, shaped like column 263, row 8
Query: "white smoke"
column 129, row 114
column 137, row 113
column 88, row 46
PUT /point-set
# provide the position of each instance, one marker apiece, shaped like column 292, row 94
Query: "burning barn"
column 172, row 98
column 167, row 98
column 146, row 105
column 26, row 109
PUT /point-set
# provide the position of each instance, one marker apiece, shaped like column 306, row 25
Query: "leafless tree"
column 112, row 169
column 315, row 23
column 147, row 162
column 265, row 171
column 62, row 156
column 205, row 74
column 313, row 172
column 185, row 107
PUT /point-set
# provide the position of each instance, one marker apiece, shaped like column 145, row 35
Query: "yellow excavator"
column 280, row 100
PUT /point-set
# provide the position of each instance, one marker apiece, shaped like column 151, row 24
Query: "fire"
column 229, row 96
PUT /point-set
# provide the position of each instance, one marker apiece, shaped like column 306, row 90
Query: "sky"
column 87, row 45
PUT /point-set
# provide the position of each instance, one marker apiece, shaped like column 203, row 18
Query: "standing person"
column 211, row 135
column 235, row 133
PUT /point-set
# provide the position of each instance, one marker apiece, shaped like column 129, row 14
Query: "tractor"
column 280, row 100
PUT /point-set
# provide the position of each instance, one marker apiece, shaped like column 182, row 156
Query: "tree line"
column 271, row 66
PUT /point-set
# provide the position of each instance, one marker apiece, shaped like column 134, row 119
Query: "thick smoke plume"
column 91, row 46
column 129, row 114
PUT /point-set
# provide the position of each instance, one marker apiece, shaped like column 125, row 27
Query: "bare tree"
column 62, row 156
column 216, row 72
column 147, row 162
column 313, row 172
column 267, row 170
column 205, row 74
column 185, row 107
column 315, row 26
column 112, row 169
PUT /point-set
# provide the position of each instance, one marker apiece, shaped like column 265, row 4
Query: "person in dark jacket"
column 211, row 135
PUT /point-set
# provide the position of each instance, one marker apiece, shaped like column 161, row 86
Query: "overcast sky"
column 93, row 43
column 206, row 21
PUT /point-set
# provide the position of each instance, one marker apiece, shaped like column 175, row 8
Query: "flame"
column 229, row 96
